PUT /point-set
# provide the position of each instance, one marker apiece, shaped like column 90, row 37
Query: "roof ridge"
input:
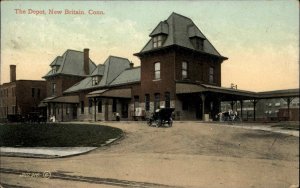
column 117, row 57
column 74, row 50
column 175, row 13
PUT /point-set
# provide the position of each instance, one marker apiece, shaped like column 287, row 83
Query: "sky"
column 260, row 38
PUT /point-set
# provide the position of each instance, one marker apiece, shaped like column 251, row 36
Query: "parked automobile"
column 161, row 117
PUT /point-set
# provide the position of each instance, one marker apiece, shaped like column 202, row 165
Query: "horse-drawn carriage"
column 161, row 117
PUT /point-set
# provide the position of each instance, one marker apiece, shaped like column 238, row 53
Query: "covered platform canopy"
column 222, row 93
column 62, row 99
column 217, row 93
column 111, row 93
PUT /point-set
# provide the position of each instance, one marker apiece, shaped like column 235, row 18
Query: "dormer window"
column 95, row 80
column 158, row 41
column 198, row 43
column 54, row 69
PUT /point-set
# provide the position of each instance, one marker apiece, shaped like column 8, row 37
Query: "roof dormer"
column 159, row 34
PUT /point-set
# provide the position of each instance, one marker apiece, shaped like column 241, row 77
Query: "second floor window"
column 157, row 70
column 211, row 75
column 53, row 88
column 184, row 70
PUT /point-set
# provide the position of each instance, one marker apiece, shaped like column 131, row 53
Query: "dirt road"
column 189, row 154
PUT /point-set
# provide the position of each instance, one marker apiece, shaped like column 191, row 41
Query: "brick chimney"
column 86, row 60
column 12, row 73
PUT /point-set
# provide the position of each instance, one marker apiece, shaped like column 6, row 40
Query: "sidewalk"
column 48, row 152
column 263, row 128
column 44, row 152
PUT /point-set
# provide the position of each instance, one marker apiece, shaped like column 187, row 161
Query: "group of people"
column 230, row 115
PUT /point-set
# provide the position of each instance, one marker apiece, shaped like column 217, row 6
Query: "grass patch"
column 56, row 135
column 288, row 125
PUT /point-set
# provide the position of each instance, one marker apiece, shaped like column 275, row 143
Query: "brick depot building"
column 20, row 96
column 179, row 68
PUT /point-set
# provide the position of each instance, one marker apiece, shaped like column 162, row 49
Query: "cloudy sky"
column 260, row 38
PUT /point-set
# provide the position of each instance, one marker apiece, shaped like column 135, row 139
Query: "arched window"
column 184, row 70
column 157, row 70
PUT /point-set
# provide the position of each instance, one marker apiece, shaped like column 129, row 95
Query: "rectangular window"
column 13, row 91
column 211, row 75
column 147, row 102
column 184, row 70
column 53, row 88
column 32, row 92
column 82, row 107
column 157, row 70
column 100, row 106
column 156, row 101
column 114, row 105
column 199, row 44
column 136, row 101
column 95, row 80
column 13, row 109
column 38, row 92
column 90, row 106
column 167, row 99
column 157, row 41
column 67, row 109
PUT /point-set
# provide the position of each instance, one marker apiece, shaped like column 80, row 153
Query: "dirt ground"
column 190, row 154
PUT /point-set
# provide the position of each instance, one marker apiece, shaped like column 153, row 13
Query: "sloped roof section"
column 114, row 71
column 99, row 71
column 83, row 84
column 71, row 63
column 114, row 66
column 161, row 28
column 180, row 31
column 57, row 61
column 128, row 76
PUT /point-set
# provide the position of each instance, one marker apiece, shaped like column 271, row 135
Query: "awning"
column 116, row 93
column 62, row 99
column 226, row 93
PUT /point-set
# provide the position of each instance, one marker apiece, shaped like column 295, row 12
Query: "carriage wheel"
column 157, row 123
column 170, row 123
column 149, row 122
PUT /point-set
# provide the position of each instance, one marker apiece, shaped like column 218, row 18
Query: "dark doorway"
column 198, row 108
column 74, row 111
column 106, row 111
column 124, row 110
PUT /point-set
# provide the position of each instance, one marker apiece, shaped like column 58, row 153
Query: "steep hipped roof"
column 179, row 30
column 113, row 68
column 71, row 63
column 116, row 71
column 57, row 61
